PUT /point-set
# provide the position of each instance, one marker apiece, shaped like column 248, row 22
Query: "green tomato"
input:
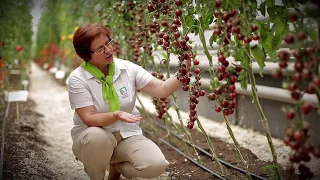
column 215, row 80
column 219, row 41
column 285, row 85
column 223, row 49
column 230, row 69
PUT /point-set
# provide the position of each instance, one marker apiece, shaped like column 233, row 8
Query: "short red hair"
column 84, row 36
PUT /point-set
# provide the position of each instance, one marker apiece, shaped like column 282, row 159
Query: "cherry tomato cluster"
column 196, row 92
column 140, row 40
column 227, row 24
column 170, row 38
column 304, row 57
column 298, row 140
column 162, row 104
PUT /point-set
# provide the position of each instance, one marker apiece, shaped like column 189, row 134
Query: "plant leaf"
column 212, row 39
column 312, row 34
column 271, row 9
column 262, row 8
column 253, row 5
column 233, row 3
column 267, row 44
column 189, row 20
column 259, row 56
column 243, row 79
column 281, row 26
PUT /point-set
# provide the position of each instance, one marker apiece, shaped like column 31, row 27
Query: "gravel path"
column 52, row 102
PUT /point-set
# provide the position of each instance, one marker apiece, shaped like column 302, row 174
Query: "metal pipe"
column 2, row 139
column 208, row 154
column 186, row 156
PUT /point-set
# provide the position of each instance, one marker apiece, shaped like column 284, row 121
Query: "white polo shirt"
column 85, row 90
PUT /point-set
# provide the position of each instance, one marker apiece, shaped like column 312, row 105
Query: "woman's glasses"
column 103, row 48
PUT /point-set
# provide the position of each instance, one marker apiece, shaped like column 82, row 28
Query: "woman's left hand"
column 126, row 117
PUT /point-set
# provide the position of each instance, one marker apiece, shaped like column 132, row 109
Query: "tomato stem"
column 263, row 120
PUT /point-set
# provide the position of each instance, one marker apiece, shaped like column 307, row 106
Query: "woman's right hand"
column 126, row 117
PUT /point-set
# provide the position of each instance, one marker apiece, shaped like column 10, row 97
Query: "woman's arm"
column 91, row 117
column 161, row 89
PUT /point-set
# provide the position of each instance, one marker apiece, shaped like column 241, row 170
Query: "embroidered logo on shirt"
column 124, row 92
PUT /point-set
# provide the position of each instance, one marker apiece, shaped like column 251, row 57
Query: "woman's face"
column 102, row 52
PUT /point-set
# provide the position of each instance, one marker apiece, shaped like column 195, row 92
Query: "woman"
column 102, row 91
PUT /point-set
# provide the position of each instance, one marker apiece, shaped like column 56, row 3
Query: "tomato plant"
column 15, row 42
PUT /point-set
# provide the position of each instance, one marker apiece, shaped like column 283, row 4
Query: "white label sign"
column 15, row 96
column 53, row 70
column 60, row 74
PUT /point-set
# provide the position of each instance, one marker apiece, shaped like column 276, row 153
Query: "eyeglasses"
column 103, row 48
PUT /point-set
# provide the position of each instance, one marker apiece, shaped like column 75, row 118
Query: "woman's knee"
column 98, row 137
column 159, row 166
column 154, row 167
column 93, row 140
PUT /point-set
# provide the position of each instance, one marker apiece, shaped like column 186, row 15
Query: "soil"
column 24, row 147
column 38, row 145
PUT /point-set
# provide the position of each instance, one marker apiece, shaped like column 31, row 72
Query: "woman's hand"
column 126, row 117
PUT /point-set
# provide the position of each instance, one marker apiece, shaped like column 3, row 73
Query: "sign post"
column 13, row 96
column 17, row 96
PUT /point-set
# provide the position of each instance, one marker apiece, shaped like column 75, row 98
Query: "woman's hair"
column 83, row 37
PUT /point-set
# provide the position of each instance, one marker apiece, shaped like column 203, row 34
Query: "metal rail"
column 3, row 140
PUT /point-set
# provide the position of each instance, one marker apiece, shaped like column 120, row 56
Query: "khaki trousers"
column 135, row 156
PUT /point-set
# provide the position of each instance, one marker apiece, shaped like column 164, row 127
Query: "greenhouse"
column 160, row 89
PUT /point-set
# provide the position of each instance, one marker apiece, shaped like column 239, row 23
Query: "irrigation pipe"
column 186, row 156
column 2, row 139
column 208, row 154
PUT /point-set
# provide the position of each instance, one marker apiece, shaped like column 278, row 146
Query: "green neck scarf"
column 108, row 91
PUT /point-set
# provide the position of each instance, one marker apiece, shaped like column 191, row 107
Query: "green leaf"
column 269, row 3
column 267, row 44
column 267, row 168
column 302, row 1
column 290, row 3
column 312, row 34
column 164, row 55
column 239, row 52
column 276, row 41
column 264, row 30
column 271, row 9
column 189, row 20
column 253, row 5
column 196, row 28
column 208, row 19
column 243, row 79
column 233, row 3
column 262, row 8
column 259, row 56
column 212, row 39
column 281, row 28
column 245, row 64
